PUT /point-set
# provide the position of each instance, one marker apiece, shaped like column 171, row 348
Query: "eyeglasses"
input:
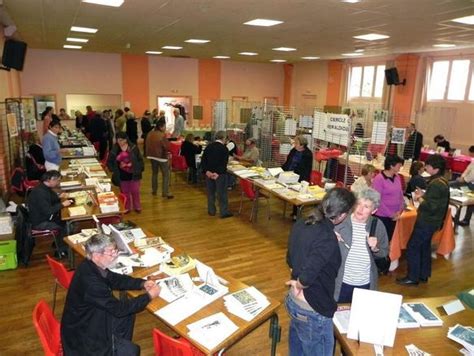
column 112, row 252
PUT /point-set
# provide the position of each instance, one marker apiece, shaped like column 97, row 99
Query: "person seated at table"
column 359, row 248
column 126, row 164
column 94, row 321
column 189, row 150
column 44, row 206
column 51, row 148
column 442, row 142
column 251, row 154
column 314, row 259
column 300, row 161
column 417, row 181
column 388, row 183
column 365, row 180
column 430, row 217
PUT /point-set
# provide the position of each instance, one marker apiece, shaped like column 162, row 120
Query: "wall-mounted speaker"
column 14, row 54
column 391, row 76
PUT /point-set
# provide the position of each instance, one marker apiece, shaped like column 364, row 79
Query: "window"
column 451, row 80
column 366, row 81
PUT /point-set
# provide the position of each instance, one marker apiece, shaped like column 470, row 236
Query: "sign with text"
column 333, row 128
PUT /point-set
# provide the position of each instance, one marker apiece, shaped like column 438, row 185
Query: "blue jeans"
column 311, row 334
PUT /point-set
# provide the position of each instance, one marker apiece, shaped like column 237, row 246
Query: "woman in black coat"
column 300, row 159
column 189, row 150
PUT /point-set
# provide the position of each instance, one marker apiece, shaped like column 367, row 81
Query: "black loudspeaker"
column 14, row 54
column 391, row 76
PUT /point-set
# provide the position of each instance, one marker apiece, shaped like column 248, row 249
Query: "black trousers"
column 217, row 187
column 122, row 333
column 389, row 225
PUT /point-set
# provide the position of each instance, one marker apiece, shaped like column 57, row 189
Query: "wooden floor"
column 254, row 253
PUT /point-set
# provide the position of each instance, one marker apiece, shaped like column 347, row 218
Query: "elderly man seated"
column 94, row 321
column 251, row 154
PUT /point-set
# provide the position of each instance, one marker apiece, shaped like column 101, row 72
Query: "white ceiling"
column 323, row 28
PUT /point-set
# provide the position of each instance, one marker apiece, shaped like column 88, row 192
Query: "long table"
column 269, row 313
column 457, row 164
column 433, row 340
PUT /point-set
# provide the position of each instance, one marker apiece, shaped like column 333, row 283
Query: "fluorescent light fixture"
column 114, row 3
column 248, row 54
column 284, row 49
column 353, row 54
column 72, row 47
column 351, row 1
column 468, row 20
column 444, row 45
column 172, row 47
column 263, row 22
column 83, row 29
column 73, row 39
column 310, row 58
column 278, row 60
column 221, row 57
column 360, row 50
column 194, row 40
column 153, row 52
column 371, row 37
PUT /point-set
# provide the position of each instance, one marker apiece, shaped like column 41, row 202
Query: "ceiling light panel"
column 310, row 58
column 248, row 54
column 467, row 20
column 172, row 47
column 83, row 29
column 72, row 47
column 221, row 57
column 444, row 45
column 80, row 40
column 263, row 22
column 114, row 3
column 372, row 37
column 197, row 41
column 153, row 52
column 278, row 60
column 284, row 49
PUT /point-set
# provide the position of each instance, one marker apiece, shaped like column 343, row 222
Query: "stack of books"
column 463, row 335
column 108, row 202
column 422, row 314
column 246, row 303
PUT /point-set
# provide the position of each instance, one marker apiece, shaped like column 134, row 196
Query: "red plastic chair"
column 247, row 190
column 178, row 164
column 174, row 148
column 166, row 345
column 62, row 276
column 48, row 329
column 316, row 178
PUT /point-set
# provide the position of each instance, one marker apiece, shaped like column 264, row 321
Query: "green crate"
column 8, row 258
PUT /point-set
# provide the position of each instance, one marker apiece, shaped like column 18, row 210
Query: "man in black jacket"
column 414, row 144
column 94, row 321
column 44, row 206
column 214, row 165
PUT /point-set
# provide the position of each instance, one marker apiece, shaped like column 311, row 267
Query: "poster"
column 12, row 125
column 398, row 135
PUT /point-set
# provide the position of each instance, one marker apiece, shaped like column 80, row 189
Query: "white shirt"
column 468, row 174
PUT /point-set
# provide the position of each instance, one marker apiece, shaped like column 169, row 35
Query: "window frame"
column 372, row 96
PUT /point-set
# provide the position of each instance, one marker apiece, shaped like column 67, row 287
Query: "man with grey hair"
column 362, row 239
column 251, row 154
column 214, row 165
column 178, row 124
column 94, row 321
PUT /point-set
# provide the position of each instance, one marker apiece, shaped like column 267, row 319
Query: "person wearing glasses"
column 314, row 258
column 94, row 321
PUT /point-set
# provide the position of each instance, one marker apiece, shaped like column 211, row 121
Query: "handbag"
column 382, row 263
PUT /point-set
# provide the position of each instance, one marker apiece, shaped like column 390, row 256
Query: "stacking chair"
column 247, row 191
column 62, row 276
column 178, row 164
column 166, row 345
column 48, row 329
column 316, row 178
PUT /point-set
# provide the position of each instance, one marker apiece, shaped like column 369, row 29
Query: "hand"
column 63, row 195
column 418, row 194
column 154, row 291
column 149, row 284
column 209, row 174
column 372, row 242
column 296, row 287
column 66, row 203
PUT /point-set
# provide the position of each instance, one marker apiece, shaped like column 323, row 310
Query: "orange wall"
column 209, row 85
column 334, row 83
column 403, row 96
column 287, row 83
column 135, row 84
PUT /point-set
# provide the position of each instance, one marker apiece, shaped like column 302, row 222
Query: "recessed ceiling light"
column 194, row 40
column 248, row 53
column 310, row 58
column 172, row 47
column 371, row 37
column 114, row 3
column 444, row 45
column 72, row 47
column 278, row 60
column 153, row 52
column 353, row 54
column 221, row 57
column 468, row 20
column 73, row 39
column 263, row 22
column 83, row 29
column 351, row 1
column 360, row 50
column 284, row 49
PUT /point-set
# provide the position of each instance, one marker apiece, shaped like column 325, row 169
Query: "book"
column 422, row 314
column 174, row 287
column 406, row 320
column 463, row 335
column 212, row 330
column 246, row 303
column 77, row 210
column 179, row 264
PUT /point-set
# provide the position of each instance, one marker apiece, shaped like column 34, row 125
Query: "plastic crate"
column 8, row 259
